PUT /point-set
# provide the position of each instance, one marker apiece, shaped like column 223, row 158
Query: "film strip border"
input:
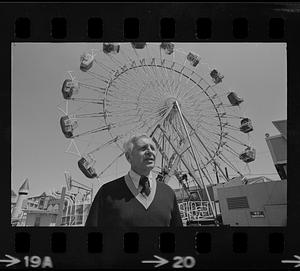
column 145, row 248
column 148, row 22
column 59, row 28
column 210, row 247
column 274, row 242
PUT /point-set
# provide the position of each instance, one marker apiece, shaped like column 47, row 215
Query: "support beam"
column 192, row 149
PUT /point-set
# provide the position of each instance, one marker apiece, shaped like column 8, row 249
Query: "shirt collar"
column 136, row 178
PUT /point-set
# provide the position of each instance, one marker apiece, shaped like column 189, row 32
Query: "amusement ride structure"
column 197, row 123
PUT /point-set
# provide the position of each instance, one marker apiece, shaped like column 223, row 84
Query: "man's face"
column 142, row 157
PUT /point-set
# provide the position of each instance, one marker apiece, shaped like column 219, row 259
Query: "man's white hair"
column 128, row 145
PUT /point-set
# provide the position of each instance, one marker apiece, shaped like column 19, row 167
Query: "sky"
column 257, row 71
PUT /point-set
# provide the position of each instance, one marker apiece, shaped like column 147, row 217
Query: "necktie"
column 144, row 182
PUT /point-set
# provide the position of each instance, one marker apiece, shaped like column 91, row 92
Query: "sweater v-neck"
column 143, row 200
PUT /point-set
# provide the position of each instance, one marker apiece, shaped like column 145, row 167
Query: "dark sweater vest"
column 115, row 206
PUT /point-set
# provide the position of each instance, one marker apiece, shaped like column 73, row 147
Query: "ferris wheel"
column 197, row 123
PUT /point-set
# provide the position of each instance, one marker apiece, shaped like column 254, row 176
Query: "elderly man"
column 137, row 199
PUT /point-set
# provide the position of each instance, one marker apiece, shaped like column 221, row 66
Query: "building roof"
column 24, row 187
column 281, row 126
column 278, row 144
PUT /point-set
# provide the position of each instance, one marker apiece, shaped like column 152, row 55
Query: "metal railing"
column 195, row 211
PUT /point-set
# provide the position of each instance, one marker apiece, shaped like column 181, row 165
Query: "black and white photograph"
column 148, row 134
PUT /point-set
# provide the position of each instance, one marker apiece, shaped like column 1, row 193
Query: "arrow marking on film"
column 159, row 262
column 297, row 262
column 12, row 260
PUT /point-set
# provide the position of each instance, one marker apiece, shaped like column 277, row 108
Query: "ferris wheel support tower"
column 190, row 142
column 180, row 155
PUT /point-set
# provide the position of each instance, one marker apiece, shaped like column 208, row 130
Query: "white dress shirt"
column 132, row 180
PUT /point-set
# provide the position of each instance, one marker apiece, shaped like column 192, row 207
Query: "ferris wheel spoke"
column 100, row 90
column 153, row 68
column 122, row 108
column 207, row 175
column 121, row 95
column 122, row 82
column 198, row 180
column 165, row 71
column 140, row 73
column 174, row 74
column 105, row 68
column 224, row 115
column 180, row 77
column 192, row 90
column 154, row 82
column 100, row 129
column 213, row 117
column 227, row 162
column 81, row 108
column 169, row 79
column 155, row 71
column 164, row 113
column 156, row 78
column 199, row 157
column 231, row 127
column 170, row 76
column 205, row 161
column 209, row 124
column 104, row 145
column 233, row 139
column 199, row 102
column 206, row 137
column 154, row 116
column 132, row 120
column 127, row 85
column 129, row 78
column 149, row 114
column 120, row 99
column 126, row 57
column 114, row 60
column 211, row 128
column 138, row 80
column 164, row 79
column 150, row 98
column 90, row 115
column 209, row 144
column 188, row 79
column 111, row 164
column 98, row 77
column 119, row 102
column 203, row 126
column 230, row 149
column 207, row 109
column 198, row 137
column 92, row 101
column 157, row 111
column 86, row 78
column 143, row 76
column 234, row 116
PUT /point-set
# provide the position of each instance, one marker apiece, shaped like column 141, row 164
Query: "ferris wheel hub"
column 171, row 101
